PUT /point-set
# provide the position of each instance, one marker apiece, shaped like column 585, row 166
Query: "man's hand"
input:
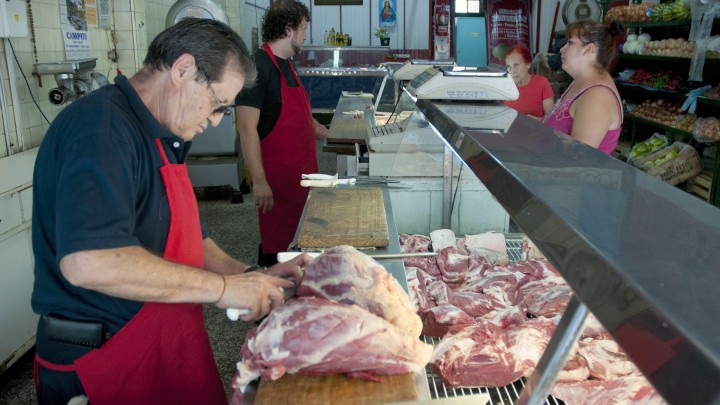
column 321, row 131
column 255, row 292
column 262, row 196
column 292, row 269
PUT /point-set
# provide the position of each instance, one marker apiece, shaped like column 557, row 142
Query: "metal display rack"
column 639, row 254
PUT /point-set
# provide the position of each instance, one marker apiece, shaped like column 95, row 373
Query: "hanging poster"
column 91, row 13
column 73, row 22
column 387, row 13
column 507, row 23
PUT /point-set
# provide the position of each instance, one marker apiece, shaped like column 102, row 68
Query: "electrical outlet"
column 112, row 55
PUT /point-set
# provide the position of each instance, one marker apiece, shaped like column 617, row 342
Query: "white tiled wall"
column 133, row 25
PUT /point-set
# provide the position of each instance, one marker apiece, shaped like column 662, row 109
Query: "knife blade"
column 285, row 256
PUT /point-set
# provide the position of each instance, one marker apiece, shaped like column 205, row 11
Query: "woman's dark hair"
column 600, row 34
column 215, row 47
column 521, row 50
column 281, row 15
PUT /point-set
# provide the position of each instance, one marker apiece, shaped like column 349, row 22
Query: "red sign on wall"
column 507, row 23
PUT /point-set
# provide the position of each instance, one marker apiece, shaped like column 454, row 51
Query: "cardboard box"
column 674, row 171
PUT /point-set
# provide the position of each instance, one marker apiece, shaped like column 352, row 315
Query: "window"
column 468, row 7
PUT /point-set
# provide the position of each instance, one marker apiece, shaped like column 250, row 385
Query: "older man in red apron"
column 121, row 265
column 277, row 130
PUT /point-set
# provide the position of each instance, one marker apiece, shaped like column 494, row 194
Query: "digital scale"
column 495, row 118
column 463, row 83
column 412, row 68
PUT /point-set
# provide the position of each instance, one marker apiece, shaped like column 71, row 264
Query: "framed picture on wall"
column 338, row 2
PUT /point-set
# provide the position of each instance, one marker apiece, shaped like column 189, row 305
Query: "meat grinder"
column 74, row 79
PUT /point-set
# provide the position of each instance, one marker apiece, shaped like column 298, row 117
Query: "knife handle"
column 234, row 313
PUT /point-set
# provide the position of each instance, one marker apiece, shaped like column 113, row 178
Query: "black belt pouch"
column 63, row 330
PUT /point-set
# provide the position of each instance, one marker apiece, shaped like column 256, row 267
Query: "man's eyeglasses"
column 222, row 108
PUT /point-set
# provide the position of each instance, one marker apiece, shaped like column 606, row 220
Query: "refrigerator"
column 470, row 42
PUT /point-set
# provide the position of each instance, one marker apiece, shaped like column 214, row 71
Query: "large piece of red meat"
column 316, row 336
column 476, row 356
column 348, row 276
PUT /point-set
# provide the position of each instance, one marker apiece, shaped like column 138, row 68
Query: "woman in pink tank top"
column 590, row 109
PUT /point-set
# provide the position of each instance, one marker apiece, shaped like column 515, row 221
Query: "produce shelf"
column 665, row 94
column 672, row 131
column 709, row 101
column 708, row 61
column 653, row 24
column 679, row 23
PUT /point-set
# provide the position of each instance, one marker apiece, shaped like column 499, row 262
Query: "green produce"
column 668, row 156
column 674, row 11
column 646, row 147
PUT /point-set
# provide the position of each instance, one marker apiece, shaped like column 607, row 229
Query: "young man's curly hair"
column 281, row 15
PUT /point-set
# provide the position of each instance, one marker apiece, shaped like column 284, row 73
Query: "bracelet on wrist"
column 223, row 289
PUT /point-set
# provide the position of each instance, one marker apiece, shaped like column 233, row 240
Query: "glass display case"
column 639, row 254
column 328, row 71
column 341, row 56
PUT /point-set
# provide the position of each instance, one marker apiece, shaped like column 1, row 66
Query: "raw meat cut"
column 437, row 321
column 497, row 282
column 414, row 243
column 529, row 250
column 453, row 265
column 475, row 304
column 490, row 245
column 418, row 299
column 548, row 302
column 315, row 336
column 537, row 269
column 442, row 238
column 629, row 390
column 605, row 359
column 348, row 276
column 528, row 341
column 476, row 356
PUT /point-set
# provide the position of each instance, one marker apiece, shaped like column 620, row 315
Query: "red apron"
column 163, row 354
column 288, row 151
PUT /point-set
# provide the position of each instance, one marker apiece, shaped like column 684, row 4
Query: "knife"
column 285, row 256
column 326, row 183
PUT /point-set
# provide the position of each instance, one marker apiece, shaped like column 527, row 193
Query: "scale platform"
column 491, row 117
column 463, row 83
column 412, row 68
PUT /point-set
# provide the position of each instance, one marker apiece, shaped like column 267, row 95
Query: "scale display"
column 463, row 83
column 414, row 67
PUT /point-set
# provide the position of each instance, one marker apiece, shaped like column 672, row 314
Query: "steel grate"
column 498, row 396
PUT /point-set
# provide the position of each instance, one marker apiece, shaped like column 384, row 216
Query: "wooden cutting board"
column 344, row 216
column 336, row 389
column 349, row 131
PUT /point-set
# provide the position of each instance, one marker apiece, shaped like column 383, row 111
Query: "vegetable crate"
column 673, row 164
column 701, row 184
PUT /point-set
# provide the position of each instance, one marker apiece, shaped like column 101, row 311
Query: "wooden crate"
column 701, row 184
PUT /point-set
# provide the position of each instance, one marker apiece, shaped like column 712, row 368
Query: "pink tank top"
column 560, row 119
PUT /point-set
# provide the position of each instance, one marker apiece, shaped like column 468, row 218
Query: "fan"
column 195, row 8
column 577, row 10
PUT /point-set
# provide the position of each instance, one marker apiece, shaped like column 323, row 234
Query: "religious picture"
column 387, row 13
